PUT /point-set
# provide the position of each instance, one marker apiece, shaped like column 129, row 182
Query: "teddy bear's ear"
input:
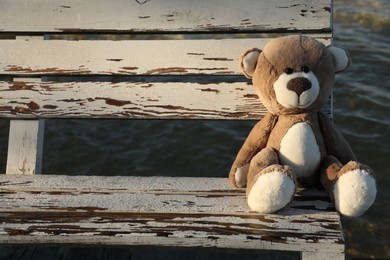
column 248, row 61
column 340, row 58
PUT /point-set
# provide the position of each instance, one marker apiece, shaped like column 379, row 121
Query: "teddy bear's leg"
column 352, row 187
column 270, row 186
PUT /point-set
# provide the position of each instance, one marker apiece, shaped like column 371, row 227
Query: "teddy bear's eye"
column 305, row 69
column 289, row 71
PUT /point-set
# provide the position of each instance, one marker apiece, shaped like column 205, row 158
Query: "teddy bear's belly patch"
column 299, row 150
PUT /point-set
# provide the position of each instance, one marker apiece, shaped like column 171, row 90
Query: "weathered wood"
column 321, row 256
column 164, row 211
column 24, row 99
column 164, row 16
column 153, row 57
column 149, row 194
column 25, row 147
column 134, row 184
column 159, row 211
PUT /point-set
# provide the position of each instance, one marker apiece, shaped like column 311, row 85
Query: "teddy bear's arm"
column 335, row 143
column 255, row 142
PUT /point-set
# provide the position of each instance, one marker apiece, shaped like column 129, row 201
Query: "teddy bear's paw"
column 354, row 192
column 240, row 176
column 272, row 190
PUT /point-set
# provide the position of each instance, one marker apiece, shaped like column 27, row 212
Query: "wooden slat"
column 164, row 16
column 153, row 57
column 129, row 100
column 25, row 147
column 165, row 211
column 134, row 184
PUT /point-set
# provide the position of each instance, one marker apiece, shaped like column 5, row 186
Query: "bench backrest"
column 135, row 59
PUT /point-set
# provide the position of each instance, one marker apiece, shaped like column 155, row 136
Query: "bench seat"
column 162, row 211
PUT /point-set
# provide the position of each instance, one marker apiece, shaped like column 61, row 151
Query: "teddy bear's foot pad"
column 271, row 192
column 354, row 192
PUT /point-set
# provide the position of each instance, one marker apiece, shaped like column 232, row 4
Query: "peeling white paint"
column 172, row 15
column 71, row 208
column 131, row 100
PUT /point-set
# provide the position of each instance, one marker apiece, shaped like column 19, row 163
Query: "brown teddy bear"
column 295, row 144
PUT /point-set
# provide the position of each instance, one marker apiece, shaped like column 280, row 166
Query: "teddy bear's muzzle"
column 299, row 85
column 296, row 90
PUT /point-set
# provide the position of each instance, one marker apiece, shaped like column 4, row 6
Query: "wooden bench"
column 53, row 55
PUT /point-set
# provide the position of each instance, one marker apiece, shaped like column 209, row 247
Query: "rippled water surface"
column 207, row 148
column 362, row 109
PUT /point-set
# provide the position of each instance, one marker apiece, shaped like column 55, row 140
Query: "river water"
column 362, row 109
column 207, row 148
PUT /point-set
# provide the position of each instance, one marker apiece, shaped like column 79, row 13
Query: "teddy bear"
column 295, row 145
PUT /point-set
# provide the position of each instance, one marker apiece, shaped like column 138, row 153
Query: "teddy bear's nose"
column 299, row 85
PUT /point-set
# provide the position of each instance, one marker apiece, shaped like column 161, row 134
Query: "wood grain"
column 170, row 100
column 164, row 16
column 139, row 57
column 165, row 211
column 25, row 147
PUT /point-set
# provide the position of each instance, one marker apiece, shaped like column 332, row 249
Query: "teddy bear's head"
column 293, row 74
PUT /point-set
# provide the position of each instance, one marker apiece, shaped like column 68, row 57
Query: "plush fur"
column 294, row 144
column 354, row 192
column 271, row 192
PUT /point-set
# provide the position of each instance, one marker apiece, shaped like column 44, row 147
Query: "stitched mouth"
column 297, row 102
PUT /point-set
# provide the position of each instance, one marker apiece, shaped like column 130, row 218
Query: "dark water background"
column 207, row 148
column 362, row 109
